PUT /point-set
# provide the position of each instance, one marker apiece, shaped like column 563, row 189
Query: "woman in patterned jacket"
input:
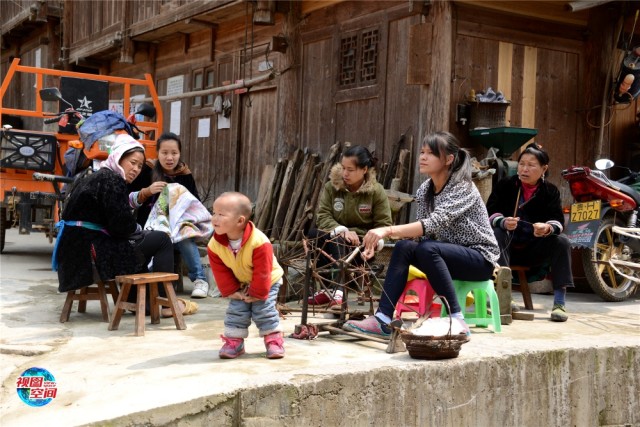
column 455, row 239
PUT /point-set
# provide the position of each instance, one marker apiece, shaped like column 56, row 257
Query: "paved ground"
column 103, row 374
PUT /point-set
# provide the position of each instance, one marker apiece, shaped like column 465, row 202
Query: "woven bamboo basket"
column 433, row 348
column 488, row 114
column 485, row 185
column 430, row 347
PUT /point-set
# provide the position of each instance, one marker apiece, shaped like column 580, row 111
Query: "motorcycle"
column 603, row 208
column 97, row 135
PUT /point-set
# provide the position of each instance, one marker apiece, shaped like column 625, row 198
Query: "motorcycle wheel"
column 603, row 279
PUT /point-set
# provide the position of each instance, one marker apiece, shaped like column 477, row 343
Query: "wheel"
column 3, row 227
column 602, row 278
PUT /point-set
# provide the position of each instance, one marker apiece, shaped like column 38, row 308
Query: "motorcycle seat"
column 629, row 191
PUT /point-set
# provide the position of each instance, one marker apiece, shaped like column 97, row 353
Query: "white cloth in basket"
column 437, row 327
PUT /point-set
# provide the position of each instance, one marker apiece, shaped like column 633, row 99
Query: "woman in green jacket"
column 352, row 203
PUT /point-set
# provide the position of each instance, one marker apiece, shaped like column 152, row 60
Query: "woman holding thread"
column 526, row 214
column 451, row 238
column 351, row 203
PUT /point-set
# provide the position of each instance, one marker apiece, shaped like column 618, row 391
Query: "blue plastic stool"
column 481, row 290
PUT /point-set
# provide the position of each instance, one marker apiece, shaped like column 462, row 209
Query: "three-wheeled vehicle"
column 32, row 154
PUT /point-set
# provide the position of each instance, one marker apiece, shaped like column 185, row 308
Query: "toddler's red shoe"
column 232, row 348
column 275, row 345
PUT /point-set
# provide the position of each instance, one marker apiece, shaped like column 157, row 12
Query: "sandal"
column 188, row 307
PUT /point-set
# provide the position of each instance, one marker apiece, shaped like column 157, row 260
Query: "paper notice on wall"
column 116, row 106
column 203, row 127
column 223, row 122
column 175, row 85
column 174, row 124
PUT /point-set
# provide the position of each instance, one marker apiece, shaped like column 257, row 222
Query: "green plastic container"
column 505, row 139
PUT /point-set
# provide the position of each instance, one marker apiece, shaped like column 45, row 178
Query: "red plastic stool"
column 420, row 301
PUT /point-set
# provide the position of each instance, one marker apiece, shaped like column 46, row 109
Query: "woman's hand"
column 371, row 239
column 157, row 187
column 511, row 223
column 351, row 237
column 542, row 229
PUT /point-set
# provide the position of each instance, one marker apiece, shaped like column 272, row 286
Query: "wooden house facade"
column 366, row 72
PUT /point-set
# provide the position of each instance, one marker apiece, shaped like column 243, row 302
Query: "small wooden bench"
column 95, row 292
column 142, row 280
column 523, row 285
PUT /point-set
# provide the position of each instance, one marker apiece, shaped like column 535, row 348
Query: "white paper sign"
column 223, row 122
column 175, row 85
column 174, row 125
column 203, row 127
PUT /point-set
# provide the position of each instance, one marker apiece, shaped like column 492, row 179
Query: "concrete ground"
column 582, row 372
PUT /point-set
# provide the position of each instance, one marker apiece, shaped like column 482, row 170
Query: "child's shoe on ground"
column 275, row 345
column 232, row 348
column 559, row 314
column 369, row 326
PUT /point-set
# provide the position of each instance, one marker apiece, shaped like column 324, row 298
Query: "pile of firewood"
column 289, row 191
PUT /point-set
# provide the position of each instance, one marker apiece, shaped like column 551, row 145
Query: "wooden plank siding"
column 317, row 127
column 541, row 81
column 546, row 63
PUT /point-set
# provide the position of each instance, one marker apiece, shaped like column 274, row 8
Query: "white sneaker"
column 200, row 289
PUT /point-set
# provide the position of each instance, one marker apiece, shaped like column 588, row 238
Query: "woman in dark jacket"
column 97, row 223
column 526, row 215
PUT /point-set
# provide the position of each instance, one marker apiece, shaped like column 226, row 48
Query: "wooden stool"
column 523, row 286
column 97, row 292
column 143, row 280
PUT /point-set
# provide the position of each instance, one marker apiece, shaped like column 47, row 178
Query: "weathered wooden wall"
column 545, row 68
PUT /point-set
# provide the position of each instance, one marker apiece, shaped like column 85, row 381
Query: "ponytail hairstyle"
column 157, row 174
column 441, row 145
column 363, row 157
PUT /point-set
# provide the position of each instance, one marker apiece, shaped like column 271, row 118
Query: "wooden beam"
column 420, row 54
column 529, row 87
column 576, row 6
column 505, row 70
column 265, row 12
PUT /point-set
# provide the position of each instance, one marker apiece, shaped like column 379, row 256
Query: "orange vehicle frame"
column 22, row 180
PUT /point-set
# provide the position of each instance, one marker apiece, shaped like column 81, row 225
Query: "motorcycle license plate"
column 585, row 211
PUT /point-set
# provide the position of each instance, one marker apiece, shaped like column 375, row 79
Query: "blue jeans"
column 441, row 262
column 264, row 313
column 191, row 256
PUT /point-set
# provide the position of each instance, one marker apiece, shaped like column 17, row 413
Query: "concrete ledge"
column 565, row 387
column 584, row 372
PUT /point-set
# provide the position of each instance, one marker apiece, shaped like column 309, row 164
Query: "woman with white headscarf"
column 98, row 225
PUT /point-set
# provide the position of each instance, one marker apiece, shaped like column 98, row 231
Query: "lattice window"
column 197, row 84
column 348, row 56
column 369, row 56
column 209, row 84
column 359, row 58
